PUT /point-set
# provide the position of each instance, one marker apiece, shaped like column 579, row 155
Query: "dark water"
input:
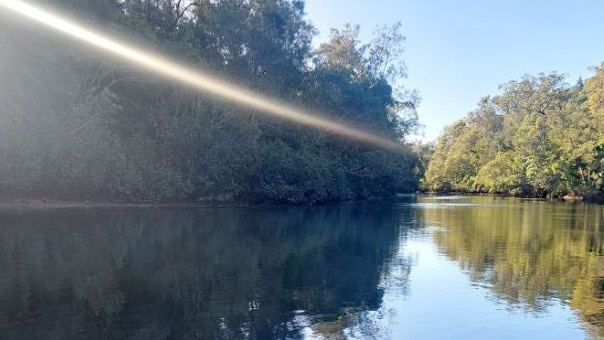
column 419, row 268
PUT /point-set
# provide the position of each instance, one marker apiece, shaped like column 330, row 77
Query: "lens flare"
column 193, row 77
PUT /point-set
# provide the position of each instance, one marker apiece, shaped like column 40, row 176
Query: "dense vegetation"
column 77, row 124
column 539, row 137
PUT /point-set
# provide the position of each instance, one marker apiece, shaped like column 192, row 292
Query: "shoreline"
column 595, row 199
column 43, row 204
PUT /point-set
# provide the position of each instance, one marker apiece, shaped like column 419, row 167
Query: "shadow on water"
column 212, row 273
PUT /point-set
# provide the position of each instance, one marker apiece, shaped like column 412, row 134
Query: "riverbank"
column 7, row 203
column 586, row 198
column 41, row 204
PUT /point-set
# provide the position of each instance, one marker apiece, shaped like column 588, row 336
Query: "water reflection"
column 529, row 254
column 255, row 273
column 459, row 267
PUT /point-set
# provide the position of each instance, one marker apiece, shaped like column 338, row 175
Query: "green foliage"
column 540, row 137
column 76, row 125
column 463, row 149
column 594, row 89
column 363, row 80
column 503, row 174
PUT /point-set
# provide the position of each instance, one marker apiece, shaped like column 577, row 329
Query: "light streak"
column 193, row 77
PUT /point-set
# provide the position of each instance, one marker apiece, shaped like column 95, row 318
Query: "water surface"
column 418, row 268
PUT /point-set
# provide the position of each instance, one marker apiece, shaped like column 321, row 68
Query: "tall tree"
column 548, row 142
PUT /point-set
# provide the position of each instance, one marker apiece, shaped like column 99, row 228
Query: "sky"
column 460, row 51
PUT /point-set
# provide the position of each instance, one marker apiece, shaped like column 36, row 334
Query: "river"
column 417, row 268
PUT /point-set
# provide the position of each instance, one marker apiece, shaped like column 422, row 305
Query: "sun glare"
column 193, row 77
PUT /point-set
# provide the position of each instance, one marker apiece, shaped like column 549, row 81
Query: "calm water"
column 419, row 268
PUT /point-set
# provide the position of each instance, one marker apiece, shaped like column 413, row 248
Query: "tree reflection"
column 210, row 273
column 530, row 253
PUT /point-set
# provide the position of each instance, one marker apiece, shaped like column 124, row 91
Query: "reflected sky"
column 441, row 205
column 444, row 198
column 495, row 269
column 443, row 303
column 471, row 294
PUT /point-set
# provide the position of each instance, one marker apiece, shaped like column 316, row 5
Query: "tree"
column 594, row 89
column 539, row 137
column 464, row 148
column 103, row 130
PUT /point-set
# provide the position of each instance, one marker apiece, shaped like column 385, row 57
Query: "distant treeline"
column 76, row 124
column 540, row 137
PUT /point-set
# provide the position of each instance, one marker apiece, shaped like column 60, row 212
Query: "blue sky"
column 460, row 51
